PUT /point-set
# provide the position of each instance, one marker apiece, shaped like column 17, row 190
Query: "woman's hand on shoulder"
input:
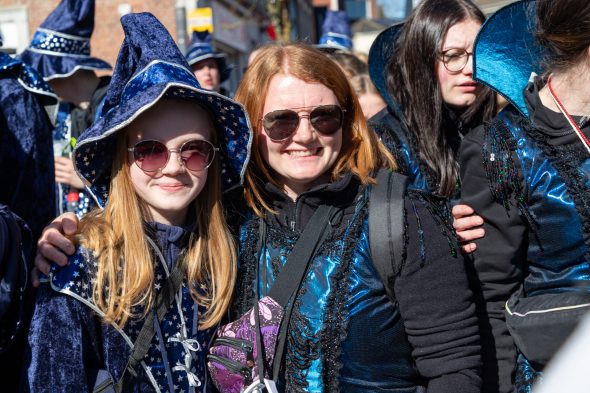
column 468, row 227
column 54, row 246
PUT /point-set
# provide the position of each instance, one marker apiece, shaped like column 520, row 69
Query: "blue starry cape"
column 149, row 67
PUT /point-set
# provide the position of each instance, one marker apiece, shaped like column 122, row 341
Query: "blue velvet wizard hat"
column 382, row 52
column 506, row 52
column 61, row 45
column 336, row 32
column 151, row 67
column 201, row 48
column 29, row 79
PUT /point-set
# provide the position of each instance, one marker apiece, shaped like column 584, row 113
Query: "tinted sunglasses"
column 152, row 155
column 281, row 124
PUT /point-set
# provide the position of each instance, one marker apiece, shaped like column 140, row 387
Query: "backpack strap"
column 386, row 225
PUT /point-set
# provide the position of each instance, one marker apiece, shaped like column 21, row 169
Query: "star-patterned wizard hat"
column 150, row 67
column 336, row 32
column 201, row 48
column 61, row 45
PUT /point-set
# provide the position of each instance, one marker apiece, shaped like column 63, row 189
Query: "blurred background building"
column 239, row 26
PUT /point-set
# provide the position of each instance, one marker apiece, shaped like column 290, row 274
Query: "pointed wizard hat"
column 151, row 67
column 61, row 45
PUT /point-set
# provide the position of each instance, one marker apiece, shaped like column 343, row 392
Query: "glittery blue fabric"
column 61, row 45
column 366, row 366
column 505, row 51
column 201, row 48
column 25, row 148
column 556, row 256
column 69, row 343
column 345, row 333
column 150, row 67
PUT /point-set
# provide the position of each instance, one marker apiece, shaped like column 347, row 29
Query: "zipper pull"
column 292, row 224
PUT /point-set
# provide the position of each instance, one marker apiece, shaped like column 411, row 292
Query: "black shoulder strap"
column 291, row 275
column 386, row 225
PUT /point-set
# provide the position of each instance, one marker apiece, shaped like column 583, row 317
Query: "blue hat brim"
column 95, row 147
column 52, row 66
column 224, row 68
column 506, row 52
column 382, row 50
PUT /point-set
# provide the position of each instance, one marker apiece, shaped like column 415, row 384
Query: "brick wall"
column 108, row 34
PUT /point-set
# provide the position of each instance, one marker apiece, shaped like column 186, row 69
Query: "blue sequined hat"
column 336, row 32
column 381, row 53
column 506, row 51
column 201, row 48
column 150, row 67
column 29, row 79
column 61, row 45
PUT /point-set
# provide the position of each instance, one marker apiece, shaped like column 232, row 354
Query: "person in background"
column 157, row 244
column 210, row 67
column 336, row 32
column 60, row 53
column 27, row 112
column 525, row 173
column 349, row 62
column 423, row 69
column 368, row 95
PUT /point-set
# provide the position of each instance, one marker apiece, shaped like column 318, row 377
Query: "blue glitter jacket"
column 531, row 188
column 346, row 334
column 69, row 343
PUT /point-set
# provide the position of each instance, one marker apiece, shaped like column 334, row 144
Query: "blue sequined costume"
column 67, row 330
column 345, row 333
column 530, row 189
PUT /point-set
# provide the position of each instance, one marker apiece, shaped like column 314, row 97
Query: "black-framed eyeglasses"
column 152, row 155
column 455, row 59
column 281, row 124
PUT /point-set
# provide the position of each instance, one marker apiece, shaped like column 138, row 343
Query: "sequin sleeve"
column 500, row 254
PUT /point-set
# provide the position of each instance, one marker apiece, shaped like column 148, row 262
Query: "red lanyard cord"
column 570, row 120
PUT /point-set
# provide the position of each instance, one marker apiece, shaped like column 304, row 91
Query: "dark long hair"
column 564, row 29
column 413, row 82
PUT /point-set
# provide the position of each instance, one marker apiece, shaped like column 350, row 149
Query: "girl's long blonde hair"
column 125, row 273
column 362, row 153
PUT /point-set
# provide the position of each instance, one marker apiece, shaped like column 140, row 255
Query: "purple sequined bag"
column 233, row 354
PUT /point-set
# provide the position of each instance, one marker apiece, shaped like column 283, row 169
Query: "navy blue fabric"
column 69, row 342
column 27, row 180
column 149, row 67
column 201, row 48
column 506, row 52
column 25, row 153
column 336, row 32
column 61, row 45
column 31, row 81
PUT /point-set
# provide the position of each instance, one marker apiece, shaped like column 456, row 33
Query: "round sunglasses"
column 194, row 155
column 282, row 124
